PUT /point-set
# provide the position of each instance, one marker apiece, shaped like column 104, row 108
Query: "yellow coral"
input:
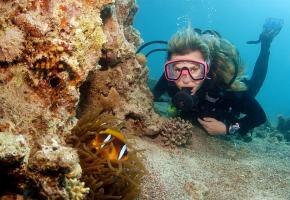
column 89, row 37
column 89, row 29
column 76, row 172
column 141, row 59
column 76, row 189
column 90, row 33
column 100, row 3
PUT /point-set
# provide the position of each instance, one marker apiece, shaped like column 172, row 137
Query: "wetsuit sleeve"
column 260, row 69
column 161, row 87
column 254, row 114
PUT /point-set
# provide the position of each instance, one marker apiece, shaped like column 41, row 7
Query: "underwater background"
column 237, row 21
column 69, row 76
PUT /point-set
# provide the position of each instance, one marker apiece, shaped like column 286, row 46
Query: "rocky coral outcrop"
column 284, row 127
column 120, row 82
column 13, row 148
column 274, row 134
column 11, row 44
column 47, row 51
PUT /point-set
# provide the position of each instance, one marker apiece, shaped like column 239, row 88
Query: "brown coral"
column 176, row 131
column 32, row 24
column 111, row 101
column 2, row 113
column 51, row 64
column 5, row 75
column 11, row 43
column 141, row 59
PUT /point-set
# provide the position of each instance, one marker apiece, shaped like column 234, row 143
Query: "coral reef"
column 141, row 59
column 283, row 124
column 32, row 172
column 47, row 51
column 13, row 148
column 276, row 135
column 120, row 82
column 76, row 189
column 176, row 131
column 284, row 127
column 54, row 158
column 11, row 43
column 106, row 179
column 13, row 158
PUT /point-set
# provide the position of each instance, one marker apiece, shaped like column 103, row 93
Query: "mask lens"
column 174, row 70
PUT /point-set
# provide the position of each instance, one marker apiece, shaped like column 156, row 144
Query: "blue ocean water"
column 236, row 20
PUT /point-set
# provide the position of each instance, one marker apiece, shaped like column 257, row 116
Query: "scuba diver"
column 203, row 76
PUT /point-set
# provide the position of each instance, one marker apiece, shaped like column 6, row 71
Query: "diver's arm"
column 260, row 69
column 160, row 87
column 254, row 114
column 271, row 29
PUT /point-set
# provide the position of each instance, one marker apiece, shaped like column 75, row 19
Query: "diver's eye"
column 195, row 67
column 177, row 70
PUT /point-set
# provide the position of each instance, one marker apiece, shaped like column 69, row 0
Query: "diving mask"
column 174, row 69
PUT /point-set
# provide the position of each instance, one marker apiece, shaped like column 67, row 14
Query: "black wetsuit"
column 223, row 105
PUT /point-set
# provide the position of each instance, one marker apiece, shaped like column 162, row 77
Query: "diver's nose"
column 185, row 77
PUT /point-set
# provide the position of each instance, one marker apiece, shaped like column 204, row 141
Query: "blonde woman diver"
column 203, row 77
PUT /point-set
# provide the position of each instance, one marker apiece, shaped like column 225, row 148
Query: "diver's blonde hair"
column 222, row 57
column 185, row 41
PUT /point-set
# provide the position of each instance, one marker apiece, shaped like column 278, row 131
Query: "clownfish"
column 112, row 143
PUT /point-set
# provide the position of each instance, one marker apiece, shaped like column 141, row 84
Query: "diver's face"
column 185, row 80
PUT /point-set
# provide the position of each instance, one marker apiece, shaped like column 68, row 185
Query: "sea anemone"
column 106, row 179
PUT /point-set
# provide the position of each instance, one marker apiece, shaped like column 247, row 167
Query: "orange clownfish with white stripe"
column 111, row 144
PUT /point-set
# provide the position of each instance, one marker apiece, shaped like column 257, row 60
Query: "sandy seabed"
column 216, row 169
